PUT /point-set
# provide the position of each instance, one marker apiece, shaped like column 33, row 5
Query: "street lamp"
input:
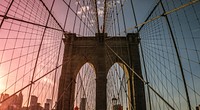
column 114, row 101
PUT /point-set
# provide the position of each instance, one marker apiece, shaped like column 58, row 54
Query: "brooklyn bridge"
column 99, row 55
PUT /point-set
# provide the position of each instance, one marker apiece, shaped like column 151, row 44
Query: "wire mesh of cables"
column 30, row 45
column 171, row 53
column 85, row 88
column 31, row 50
column 117, row 87
column 169, row 48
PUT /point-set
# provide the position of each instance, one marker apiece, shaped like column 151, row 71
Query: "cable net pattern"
column 31, row 49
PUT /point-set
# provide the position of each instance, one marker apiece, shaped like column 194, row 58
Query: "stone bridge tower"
column 79, row 50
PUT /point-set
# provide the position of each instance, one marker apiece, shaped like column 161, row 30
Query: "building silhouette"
column 34, row 105
column 34, row 100
column 13, row 103
column 48, row 104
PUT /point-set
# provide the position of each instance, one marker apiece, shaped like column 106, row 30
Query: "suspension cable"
column 164, row 14
column 146, row 83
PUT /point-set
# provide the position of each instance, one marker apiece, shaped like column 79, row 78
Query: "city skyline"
column 15, row 103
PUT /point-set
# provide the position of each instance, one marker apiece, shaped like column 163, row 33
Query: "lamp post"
column 116, row 106
column 114, row 101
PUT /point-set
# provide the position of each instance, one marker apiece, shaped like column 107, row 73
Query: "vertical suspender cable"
column 178, row 56
column 105, row 14
column 75, row 18
column 66, row 17
column 123, row 17
column 38, row 54
column 117, row 18
column 97, row 18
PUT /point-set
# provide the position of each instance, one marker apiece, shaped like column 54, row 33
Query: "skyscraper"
column 13, row 103
column 49, row 101
column 34, row 100
column 19, row 100
column 46, row 106
column 33, row 103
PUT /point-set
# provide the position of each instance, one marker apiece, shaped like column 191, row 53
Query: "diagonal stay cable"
column 28, row 22
column 62, row 94
column 121, row 85
column 36, row 80
column 85, row 12
column 164, row 14
column 51, row 15
column 77, row 16
column 146, row 83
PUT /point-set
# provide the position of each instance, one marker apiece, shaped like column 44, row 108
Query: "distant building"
column 34, row 105
column 49, row 101
column 34, row 100
column 19, row 100
column 39, row 107
column 46, row 106
column 49, row 104
column 13, row 103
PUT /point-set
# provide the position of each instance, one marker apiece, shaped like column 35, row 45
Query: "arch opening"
column 85, row 88
column 118, row 92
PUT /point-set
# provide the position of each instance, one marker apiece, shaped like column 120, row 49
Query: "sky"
column 141, row 9
column 20, row 42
